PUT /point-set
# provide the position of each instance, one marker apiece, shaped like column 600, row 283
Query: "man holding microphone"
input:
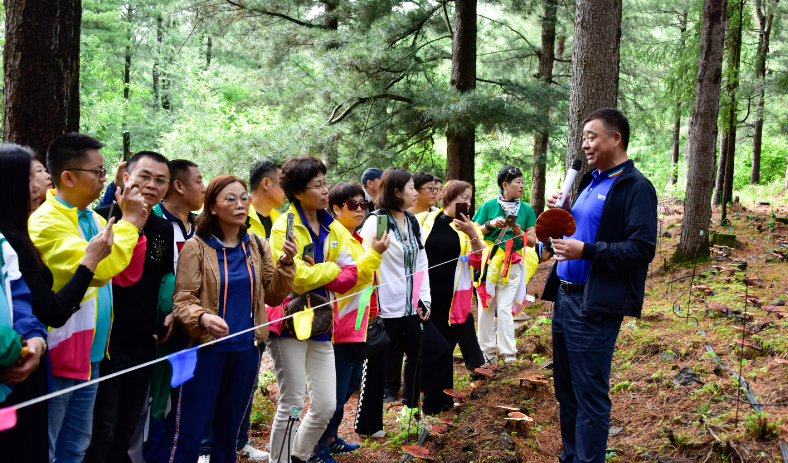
column 599, row 279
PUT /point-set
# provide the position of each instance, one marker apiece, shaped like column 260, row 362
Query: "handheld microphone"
column 571, row 175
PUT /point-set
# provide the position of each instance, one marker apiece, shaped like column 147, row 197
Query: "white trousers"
column 301, row 365
column 504, row 299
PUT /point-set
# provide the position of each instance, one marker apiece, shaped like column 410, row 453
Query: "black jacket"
column 135, row 307
column 625, row 244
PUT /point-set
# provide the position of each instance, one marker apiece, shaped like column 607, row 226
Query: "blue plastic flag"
column 183, row 364
column 464, row 258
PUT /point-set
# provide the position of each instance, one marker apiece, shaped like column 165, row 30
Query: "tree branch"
column 536, row 50
column 274, row 14
column 359, row 101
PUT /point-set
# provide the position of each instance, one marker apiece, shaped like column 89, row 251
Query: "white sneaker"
column 252, row 454
column 204, row 459
column 379, row 434
column 490, row 358
column 510, row 359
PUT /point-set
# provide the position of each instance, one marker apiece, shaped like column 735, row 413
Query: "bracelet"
column 286, row 265
column 487, row 225
column 475, row 240
column 199, row 320
column 42, row 342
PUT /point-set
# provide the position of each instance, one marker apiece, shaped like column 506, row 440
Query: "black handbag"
column 323, row 315
column 377, row 340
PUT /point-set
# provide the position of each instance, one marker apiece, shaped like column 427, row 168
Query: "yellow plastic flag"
column 302, row 321
column 363, row 302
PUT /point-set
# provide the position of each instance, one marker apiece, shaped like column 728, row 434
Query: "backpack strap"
column 414, row 222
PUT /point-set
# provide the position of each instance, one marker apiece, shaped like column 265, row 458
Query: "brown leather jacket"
column 197, row 286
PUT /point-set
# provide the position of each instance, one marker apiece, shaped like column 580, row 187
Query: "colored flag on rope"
column 465, row 258
column 418, row 278
column 363, row 302
column 7, row 418
column 183, row 364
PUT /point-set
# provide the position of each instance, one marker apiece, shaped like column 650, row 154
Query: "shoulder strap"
column 259, row 245
column 414, row 222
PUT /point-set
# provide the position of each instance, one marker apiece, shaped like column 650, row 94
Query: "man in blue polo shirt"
column 599, row 279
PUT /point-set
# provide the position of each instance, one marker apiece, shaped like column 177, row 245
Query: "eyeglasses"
column 161, row 182
column 433, row 189
column 232, row 200
column 102, row 172
column 352, row 205
column 320, row 187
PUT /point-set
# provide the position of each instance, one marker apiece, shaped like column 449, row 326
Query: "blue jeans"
column 243, row 432
column 583, row 345
column 348, row 375
column 71, row 418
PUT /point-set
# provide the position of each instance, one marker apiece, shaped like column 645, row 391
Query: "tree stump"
column 723, row 239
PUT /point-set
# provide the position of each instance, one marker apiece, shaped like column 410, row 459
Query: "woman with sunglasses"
column 349, row 207
column 304, row 359
column 225, row 278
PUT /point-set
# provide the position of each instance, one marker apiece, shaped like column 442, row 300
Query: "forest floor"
column 653, row 419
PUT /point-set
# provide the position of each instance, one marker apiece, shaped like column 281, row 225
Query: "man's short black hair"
column 613, row 121
column 150, row 155
column 261, row 170
column 69, row 151
column 508, row 174
column 297, row 173
column 180, row 169
column 422, row 178
column 438, row 179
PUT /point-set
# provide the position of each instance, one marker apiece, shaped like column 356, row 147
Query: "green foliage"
column 760, row 427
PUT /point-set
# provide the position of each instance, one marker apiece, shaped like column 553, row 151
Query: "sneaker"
column 339, row 447
column 252, row 454
column 204, row 459
column 379, row 434
column 323, row 456
column 490, row 358
column 510, row 359
column 389, row 399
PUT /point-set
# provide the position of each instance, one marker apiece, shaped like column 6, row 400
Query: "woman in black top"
column 448, row 236
column 22, row 194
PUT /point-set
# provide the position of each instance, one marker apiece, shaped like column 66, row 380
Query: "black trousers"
column 583, row 346
column 28, row 441
column 429, row 375
column 119, row 402
column 369, row 411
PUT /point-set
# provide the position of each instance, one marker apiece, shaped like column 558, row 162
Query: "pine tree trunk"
column 541, row 138
column 734, row 62
column 702, row 133
column 329, row 151
column 461, row 140
column 595, row 64
column 127, row 56
column 723, row 158
column 208, row 53
column 41, row 63
column 166, row 96
column 674, row 159
column 765, row 19
column 157, row 62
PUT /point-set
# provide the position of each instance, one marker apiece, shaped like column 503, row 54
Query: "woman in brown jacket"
column 225, row 278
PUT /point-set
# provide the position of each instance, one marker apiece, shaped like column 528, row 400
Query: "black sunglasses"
column 352, row 205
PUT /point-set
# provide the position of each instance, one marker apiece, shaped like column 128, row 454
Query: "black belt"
column 568, row 287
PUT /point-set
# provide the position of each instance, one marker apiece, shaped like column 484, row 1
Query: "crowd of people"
column 164, row 263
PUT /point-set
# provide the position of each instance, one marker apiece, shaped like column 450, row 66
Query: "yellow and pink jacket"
column 346, row 308
column 463, row 273
column 55, row 232
column 337, row 256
